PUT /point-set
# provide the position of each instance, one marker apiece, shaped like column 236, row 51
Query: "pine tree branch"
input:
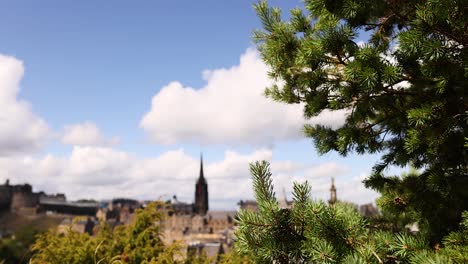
column 461, row 40
column 375, row 255
column 257, row 224
column 328, row 227
column 341, row 59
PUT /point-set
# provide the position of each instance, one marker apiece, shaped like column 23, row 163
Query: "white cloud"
column 230, row 108
column 20, row 129
column 354, row 190
column 86, row 134
column 102, row 173
column 326, row 169
column 97, row 166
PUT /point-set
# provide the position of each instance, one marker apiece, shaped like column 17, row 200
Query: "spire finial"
column 201, row 166
column 333, row 198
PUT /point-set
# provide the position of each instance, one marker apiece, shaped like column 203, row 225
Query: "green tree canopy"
column 404, row 89
column 139, row 242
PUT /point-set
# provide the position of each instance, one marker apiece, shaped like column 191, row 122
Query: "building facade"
column 15, row 197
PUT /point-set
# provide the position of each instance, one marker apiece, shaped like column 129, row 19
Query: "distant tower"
column 201, row 192
column 332, row 192
column 283, row 202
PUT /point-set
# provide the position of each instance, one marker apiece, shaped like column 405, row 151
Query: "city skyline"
column 119, row 102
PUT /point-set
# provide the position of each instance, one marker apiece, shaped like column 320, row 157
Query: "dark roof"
column 74, row 204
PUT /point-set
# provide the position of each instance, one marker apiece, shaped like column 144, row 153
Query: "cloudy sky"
column 103, row 99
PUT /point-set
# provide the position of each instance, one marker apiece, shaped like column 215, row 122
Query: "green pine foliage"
column 314, row 232
column 404, row 89
column 234, row 257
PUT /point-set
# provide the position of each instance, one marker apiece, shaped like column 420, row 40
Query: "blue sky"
column 94, row 69
column 84, row 53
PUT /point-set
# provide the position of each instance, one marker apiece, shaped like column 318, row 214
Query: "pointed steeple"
column 332, row 192
column 201, row 191
column 201, row 178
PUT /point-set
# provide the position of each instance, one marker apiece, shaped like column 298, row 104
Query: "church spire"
column 201, row 191
column 202, row 176
column 332, row 192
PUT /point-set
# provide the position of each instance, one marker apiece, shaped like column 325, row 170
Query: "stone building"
column 21, row 199
column 181, row 208
column 23, row 196
column 196, row 226
column 15, row 197
column 248, row 205
column 368, row 210
column 252, row 205
column 220, row 220
column 118, row 211
column 201, row 204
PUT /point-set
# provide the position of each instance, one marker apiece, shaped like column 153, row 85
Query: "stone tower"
column 201, row 192
column 332, row 192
